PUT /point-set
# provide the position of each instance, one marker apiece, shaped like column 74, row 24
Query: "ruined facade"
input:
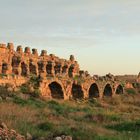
column 61, row 78
column 25, row 63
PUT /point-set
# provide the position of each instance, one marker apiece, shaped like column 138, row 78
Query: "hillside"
column 107, row 119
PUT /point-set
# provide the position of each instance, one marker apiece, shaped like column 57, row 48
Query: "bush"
column 61, row 109
column 4, row 92
column 94, row 102
column 2, row 75
column 31, row 101
column 130, row 91
column 34, row 80
column 24, row 88
column 79, row 79
column 126, row 126
column 29, row 89
column 45, row 126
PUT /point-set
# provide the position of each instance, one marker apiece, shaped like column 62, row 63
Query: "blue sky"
column 104, row 35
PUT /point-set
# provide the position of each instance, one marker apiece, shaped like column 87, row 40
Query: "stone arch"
column 24, row 69
column 64, row 69
column 108, row 90
column 57, row 68
column 40, row 67
column 119, row 89
column 77, row 92
column 49, row 68
column 4, row 68
column 70, row 71
column 94, row 91
column 32, row 68
column 56, row 90
column 16, row 60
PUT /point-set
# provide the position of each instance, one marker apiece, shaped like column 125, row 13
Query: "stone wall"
column 60, row 78
column 27, row 63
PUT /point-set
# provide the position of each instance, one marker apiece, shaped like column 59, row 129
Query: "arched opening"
column 56, row 90
column 71, row 68
column 64, row 69
column 108, row 90
column 40, row 67
column 32, row 68
column 57, row 68
column 119, row 90
column 15, row 64
column 77, row 92
column 4, row 68
column 16, row 61
column 23, row 69
column 49, row 68
column 93, row 91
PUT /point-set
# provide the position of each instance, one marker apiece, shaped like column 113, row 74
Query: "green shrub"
column 78, row 79
column 34, row 80
column 4, row 92
column 94, row 102
column 61, row 109
column 30, row 102
column 2, row 75
column 19, row 101
column 24, row 88
column 46, row 126
column 130, row 91
column 126, row 126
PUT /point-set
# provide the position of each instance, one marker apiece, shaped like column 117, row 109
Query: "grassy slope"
column 109, row 119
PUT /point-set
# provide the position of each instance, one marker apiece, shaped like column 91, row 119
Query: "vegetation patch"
column 126, row 126
column 131, row 91
column 46, row 126
column 30, row 102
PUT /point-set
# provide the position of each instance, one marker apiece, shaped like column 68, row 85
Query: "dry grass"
column 83, row 120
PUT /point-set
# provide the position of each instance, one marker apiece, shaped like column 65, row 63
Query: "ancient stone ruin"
column 60, row 78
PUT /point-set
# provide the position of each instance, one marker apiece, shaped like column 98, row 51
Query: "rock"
column 23, row 96
column 13, row 132
column 7, row 134
column 57, row 138
column 9, row 99
column 68, row 138
column 41, row 138
column 20, row 137
column 28, row 136
column 10, row 89
column 3, row 126
column 16, row 89
column 0, row 98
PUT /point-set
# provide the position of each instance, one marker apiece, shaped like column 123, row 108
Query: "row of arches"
column 32, row 68
column 77, row 92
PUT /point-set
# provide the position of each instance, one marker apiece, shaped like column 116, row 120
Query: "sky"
column 103, row 35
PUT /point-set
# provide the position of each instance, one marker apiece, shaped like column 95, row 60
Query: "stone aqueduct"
column 61, row 78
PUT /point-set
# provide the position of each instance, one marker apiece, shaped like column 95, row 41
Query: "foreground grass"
column 110, row 119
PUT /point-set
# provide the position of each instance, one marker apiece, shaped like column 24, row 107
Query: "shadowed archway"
column 23, row 69
column 70, row 71
column 56, row 90
column 32, row 68
column 77, row 92
column 4, row 68
column 107, row 91
column 49, row 67
column 119, row 90
column 93, row 91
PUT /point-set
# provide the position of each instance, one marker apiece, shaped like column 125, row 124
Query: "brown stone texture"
column 26, row 63
column 61, row 78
